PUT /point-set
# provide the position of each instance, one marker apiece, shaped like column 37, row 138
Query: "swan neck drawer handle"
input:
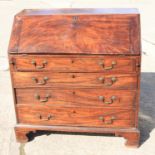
column 42, row 82
column 112, row 99
column 112, row 81
column 46, row 98
column 43, row 64
column 47, row 118
column 107, row 121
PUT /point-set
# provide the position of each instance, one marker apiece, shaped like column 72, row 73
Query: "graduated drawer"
column 76, row 97
column 85, row 80
column 72, row 63
column 97, row 117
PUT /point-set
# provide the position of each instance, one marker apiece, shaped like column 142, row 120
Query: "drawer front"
column 77, row 97
column 97, row 117
column 85, row 80
column 124, row 64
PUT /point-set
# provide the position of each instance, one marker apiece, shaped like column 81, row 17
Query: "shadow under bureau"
column 76, row 70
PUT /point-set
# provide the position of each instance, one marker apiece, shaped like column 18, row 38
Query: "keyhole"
column 74, row 111
column 74, row 19
column 40, row 117
column 73, row 92
column 73, row 76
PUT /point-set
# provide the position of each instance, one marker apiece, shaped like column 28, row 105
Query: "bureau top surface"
column 76, row 31
column 67, row 11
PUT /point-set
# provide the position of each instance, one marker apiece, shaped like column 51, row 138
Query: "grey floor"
column 69, row 144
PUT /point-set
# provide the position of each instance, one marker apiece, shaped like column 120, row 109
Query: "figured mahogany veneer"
column 76, row 70
column 95, row 117
column 77, row 97
column 76, row 33
column 71, row 63
column 85, row 80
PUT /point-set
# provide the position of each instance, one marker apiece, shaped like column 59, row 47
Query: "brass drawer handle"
column 107, row 121
column 49, row 117
column 42, row 100
column 113, row 63
column 102, row 98
column 42, row 82
column 44, row 63
column 113, row 80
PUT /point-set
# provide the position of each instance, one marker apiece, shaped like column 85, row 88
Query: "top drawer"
column 71, row 63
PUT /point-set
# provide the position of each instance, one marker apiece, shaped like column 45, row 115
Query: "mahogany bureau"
column 76, row 70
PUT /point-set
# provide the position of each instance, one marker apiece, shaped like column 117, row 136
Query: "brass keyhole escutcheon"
column 74, row 20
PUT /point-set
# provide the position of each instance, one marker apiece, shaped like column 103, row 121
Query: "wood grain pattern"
column 72, row 63
column 132, row 138
column 76, row 97
column 14, row 40
column 60, row 35
column 103, row 34
column 76, row 70
column 131, row 135
column 83, row 80
column 75, row 116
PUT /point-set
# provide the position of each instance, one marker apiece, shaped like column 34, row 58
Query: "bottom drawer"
column 90, row 117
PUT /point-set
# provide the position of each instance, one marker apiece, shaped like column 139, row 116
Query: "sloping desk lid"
column 81, row 31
